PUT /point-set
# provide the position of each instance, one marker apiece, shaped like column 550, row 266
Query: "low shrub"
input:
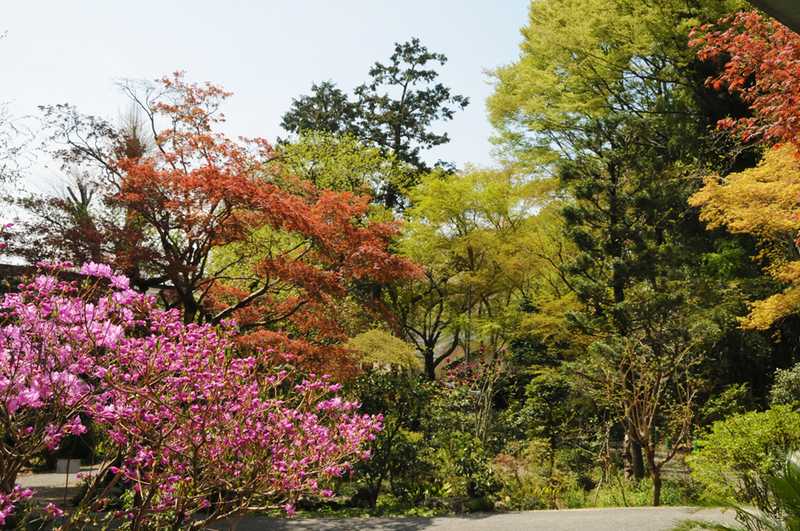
column 734, row 457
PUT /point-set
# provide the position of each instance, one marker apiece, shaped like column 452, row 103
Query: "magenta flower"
column 190, row 416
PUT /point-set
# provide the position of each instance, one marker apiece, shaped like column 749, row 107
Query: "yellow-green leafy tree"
column 489, row 240
column 383, row 351
column 762, row 202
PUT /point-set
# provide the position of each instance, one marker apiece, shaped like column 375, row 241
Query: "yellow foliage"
column 765, row 312
column 762, row 201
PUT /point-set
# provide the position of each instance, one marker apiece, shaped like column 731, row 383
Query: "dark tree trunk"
column 430, row 368
column 637, row 461
column 655, row 474
column 632, row 457
column 656, row 488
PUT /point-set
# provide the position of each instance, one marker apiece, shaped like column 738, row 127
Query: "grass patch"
column 699, row 525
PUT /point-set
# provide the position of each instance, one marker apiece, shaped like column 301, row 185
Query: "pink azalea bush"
column 9, row 500
column 196, row 430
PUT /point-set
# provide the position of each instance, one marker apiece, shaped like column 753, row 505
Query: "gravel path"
column 618, row 519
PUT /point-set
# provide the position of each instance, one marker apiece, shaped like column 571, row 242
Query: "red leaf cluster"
column 193, row 191
column 759, row 60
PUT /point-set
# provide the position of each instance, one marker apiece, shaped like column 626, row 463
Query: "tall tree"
column 162, row 215
column 402, row 101
column 327, row 109
column 606, row 95
column 395, row 111
column 487, row 240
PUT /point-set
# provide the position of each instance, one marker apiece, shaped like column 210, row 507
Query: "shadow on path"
column 344, row 524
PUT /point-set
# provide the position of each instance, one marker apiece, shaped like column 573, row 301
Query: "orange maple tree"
column 161, row 197
column 758, row 60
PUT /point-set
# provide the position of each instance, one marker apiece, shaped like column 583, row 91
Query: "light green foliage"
column 339, row 162
column 383, row 350
column 786, row 389
column 588, row 59
column 491, row 238
column 730, row 401
column 617, row 491
column 735, row 457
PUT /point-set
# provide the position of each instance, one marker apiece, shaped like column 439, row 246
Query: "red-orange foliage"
column 760, row 62
column 169, row 198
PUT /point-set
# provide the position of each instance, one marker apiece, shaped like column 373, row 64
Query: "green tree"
column 394, row 111
column 483, row 237
column 327, row 109
column 608, row 97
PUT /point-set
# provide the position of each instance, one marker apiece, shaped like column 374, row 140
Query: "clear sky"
column 266, row 52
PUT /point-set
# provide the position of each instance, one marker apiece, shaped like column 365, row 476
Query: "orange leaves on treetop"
column 194, row 192
column 760, row 62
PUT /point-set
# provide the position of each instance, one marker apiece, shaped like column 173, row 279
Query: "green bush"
column 786, row 389
column 782, row 513
column 733, row 459
column 531, row 477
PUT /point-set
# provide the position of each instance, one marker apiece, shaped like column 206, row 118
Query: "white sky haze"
column 266, row 52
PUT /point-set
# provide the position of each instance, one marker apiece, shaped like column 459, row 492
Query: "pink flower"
column 168, row 394
column 53, row 511
column 91, row 269
column 120, row 282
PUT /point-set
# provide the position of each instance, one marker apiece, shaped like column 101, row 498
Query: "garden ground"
column 617, row 519
column 51, row 486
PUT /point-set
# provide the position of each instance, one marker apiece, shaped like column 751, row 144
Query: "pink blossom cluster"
column 9, row 499
column 192, row 424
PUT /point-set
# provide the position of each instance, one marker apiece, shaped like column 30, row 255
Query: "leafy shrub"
column 385, row 351
column 782, row 512
column 429, row 452
column 731, row 401
column 398, row 451
column 733, row 459
column 530, row 477
column 786, row 389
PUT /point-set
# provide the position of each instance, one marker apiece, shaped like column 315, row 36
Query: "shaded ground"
column 618, row 519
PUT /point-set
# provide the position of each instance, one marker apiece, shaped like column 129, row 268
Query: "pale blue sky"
column 266, row 52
